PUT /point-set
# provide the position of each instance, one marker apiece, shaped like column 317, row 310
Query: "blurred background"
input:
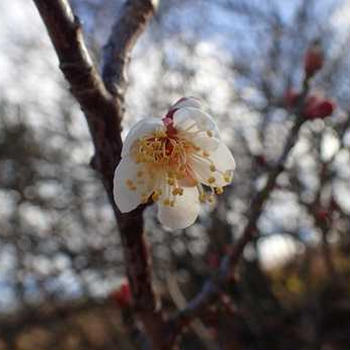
column 62, row 280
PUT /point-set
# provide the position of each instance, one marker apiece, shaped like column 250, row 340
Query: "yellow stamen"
column 209, row 133
column 155, row 195
column 202, row 197
column 211, row 179
column 161, row 151
column 227, row 176
column 219, row 190
column 178, row 191
column 206, row 154
column 212, row 168
column 211, row 199
column 129, row 183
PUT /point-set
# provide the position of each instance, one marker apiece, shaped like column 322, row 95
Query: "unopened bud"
column 122, row 295
column 317, row 107
column 313, row 60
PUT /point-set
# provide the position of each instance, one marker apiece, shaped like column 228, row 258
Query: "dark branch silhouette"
column 104, row 113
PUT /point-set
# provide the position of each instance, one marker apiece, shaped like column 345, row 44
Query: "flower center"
column 169, row 152
column 166, row 158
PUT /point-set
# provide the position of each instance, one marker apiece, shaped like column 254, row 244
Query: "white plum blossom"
column 168, row 160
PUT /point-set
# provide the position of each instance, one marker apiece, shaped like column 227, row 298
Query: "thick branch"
column 101, row 111
column 132, row 20
column 104, row 113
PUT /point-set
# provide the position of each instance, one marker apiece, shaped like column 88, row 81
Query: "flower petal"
column 139, row 130
column 223, row 158
column 216, row 169
column 187, row 102
column 205, row 142
column 185, row 211
column 194, row 120
column 128, row 189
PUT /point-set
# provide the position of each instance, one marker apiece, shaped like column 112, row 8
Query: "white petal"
column 202, row 172
column 126, row 199
column 193, row 120
column 185, row 211
column 223, row 161
column 139, row 130
column 205, row 142
column 187, row 102
column 223, row 158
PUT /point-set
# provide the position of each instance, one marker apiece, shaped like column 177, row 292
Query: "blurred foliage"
column 60, row 254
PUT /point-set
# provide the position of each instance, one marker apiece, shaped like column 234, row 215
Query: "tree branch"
column 104, row 111
column 133, row 19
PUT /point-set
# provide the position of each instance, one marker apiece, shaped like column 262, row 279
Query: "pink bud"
column 318, row 107
column 313, row 60
column 122, row 295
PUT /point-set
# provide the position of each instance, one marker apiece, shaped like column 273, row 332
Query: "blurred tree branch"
column 214, row 286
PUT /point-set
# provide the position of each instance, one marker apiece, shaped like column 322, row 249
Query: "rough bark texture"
column 102, row 104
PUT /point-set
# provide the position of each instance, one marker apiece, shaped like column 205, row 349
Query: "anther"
column 155, row 196
column 202, row 197
column 219, row 190
column 206, row 154
column 227, row 176
column 211, row 179
column 211, row 199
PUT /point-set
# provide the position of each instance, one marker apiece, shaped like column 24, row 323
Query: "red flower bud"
column 122, row 295
column 318, row 107
column 313, row 60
